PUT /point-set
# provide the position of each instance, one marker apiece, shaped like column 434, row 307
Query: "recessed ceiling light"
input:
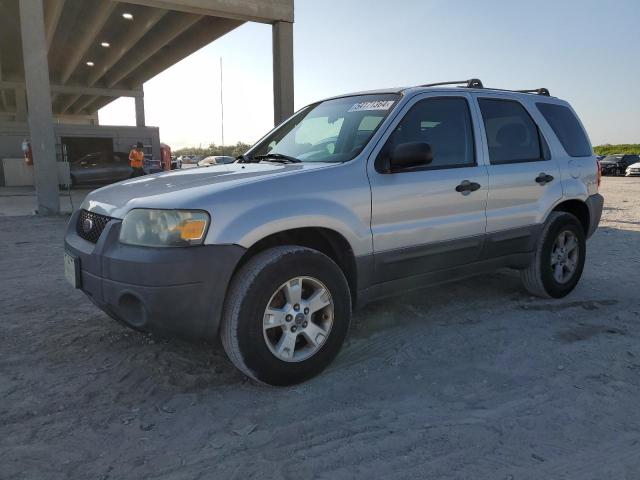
column 90, row 64
column 127, row 16
column 105, row 44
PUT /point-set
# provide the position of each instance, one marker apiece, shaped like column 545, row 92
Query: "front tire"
column 286, row 315
column 558, row 259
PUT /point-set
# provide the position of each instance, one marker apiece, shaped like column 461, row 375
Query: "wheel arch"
column 579, row 209
column 325, row 240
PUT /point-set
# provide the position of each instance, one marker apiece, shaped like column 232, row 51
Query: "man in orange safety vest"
column 136, row 157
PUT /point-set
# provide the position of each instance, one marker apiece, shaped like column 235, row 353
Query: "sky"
column 584, row 51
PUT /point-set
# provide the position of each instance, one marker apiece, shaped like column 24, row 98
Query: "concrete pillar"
column 140, row 120
column 282, row 71
column 36, row 70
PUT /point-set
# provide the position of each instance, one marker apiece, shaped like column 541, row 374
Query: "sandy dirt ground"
column 472, row 380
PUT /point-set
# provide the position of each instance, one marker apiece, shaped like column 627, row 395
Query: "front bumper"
column 595, row 204
column 172, row 291
column 610, row 168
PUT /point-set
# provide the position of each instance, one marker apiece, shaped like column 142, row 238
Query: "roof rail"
column 476, row 83
column 471, row 83
column 537, row 91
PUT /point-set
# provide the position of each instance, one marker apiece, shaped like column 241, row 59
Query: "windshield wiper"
column 246, row 159
column 278, row 157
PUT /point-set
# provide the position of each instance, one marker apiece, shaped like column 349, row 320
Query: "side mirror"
column 410, row 154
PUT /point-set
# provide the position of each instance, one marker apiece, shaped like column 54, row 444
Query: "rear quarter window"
column 567, row 128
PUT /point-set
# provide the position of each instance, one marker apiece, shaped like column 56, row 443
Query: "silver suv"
column 352, row 199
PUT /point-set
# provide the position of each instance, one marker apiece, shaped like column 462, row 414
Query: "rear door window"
column 512, row 135
column 567, row 128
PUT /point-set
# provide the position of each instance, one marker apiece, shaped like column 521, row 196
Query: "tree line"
column 608, row 149
column 214, row 150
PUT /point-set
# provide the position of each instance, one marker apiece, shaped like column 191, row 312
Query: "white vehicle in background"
column 189, row 161
column 216, row 160
column 633, row 170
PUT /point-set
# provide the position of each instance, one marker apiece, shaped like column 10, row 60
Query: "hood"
column 634, row 165
column 610, row 162
column 176, row 188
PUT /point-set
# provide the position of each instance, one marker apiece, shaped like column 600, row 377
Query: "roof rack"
column 537, row 91
column 471, row 83
column 477, row 83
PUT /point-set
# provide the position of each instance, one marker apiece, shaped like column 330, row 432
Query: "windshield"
column 331, row 131
column 612, row 158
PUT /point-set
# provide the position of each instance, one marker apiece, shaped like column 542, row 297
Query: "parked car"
column 100, row 168
column 176, row 163
column 352, row 199
column 633, row 170
column 216, row 160
column 152, row 166
column 617, row 164
column 190, row 161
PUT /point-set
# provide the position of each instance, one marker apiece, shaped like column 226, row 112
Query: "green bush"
column 213, row 149
column 607, row 149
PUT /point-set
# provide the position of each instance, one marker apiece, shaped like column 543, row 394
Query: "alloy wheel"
column 298, row 319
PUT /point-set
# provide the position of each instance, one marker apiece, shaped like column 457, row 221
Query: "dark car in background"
column 617, row 164
column 100, row 167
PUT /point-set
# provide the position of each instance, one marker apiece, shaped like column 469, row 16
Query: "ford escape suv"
column 351, row 199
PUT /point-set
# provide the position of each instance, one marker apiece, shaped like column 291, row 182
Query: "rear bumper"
column 595, row 204
column 174, row 291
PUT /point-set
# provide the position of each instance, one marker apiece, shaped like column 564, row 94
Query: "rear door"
column 425, row 218
column 524, row 181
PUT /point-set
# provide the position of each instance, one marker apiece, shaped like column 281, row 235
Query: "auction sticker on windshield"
column 378, row 105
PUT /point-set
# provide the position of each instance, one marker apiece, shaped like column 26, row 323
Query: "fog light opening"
column 132, row 310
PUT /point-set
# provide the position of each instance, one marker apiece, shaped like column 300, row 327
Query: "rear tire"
column 555, row 271
column 255, row 346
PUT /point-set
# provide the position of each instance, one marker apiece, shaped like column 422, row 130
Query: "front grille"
column 90, row 225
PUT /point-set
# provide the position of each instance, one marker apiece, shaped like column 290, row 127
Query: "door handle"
column 543, row 178
column 466, row 187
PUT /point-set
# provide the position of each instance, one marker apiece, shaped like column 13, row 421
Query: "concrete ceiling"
column 160, row 34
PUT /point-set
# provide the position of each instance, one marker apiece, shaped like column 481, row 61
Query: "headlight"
column 164, row 228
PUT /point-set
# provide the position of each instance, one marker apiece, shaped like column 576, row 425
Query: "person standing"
column 136, row 159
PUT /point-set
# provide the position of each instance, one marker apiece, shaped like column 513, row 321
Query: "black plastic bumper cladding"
column 595, row 204
column 175, row 291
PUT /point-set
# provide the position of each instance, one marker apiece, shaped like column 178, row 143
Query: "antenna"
column 221, row 111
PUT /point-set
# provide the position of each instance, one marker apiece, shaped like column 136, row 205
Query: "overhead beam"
column 265, row 11
column 125, row 44
column 203, row 33
column 77, row 89
column 116, row 53
column 67, row 104
column 87, row 38
column 172, row 27
column 52, row 12
column 78, row 108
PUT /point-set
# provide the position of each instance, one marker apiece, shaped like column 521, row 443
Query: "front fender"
column 260, row 221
